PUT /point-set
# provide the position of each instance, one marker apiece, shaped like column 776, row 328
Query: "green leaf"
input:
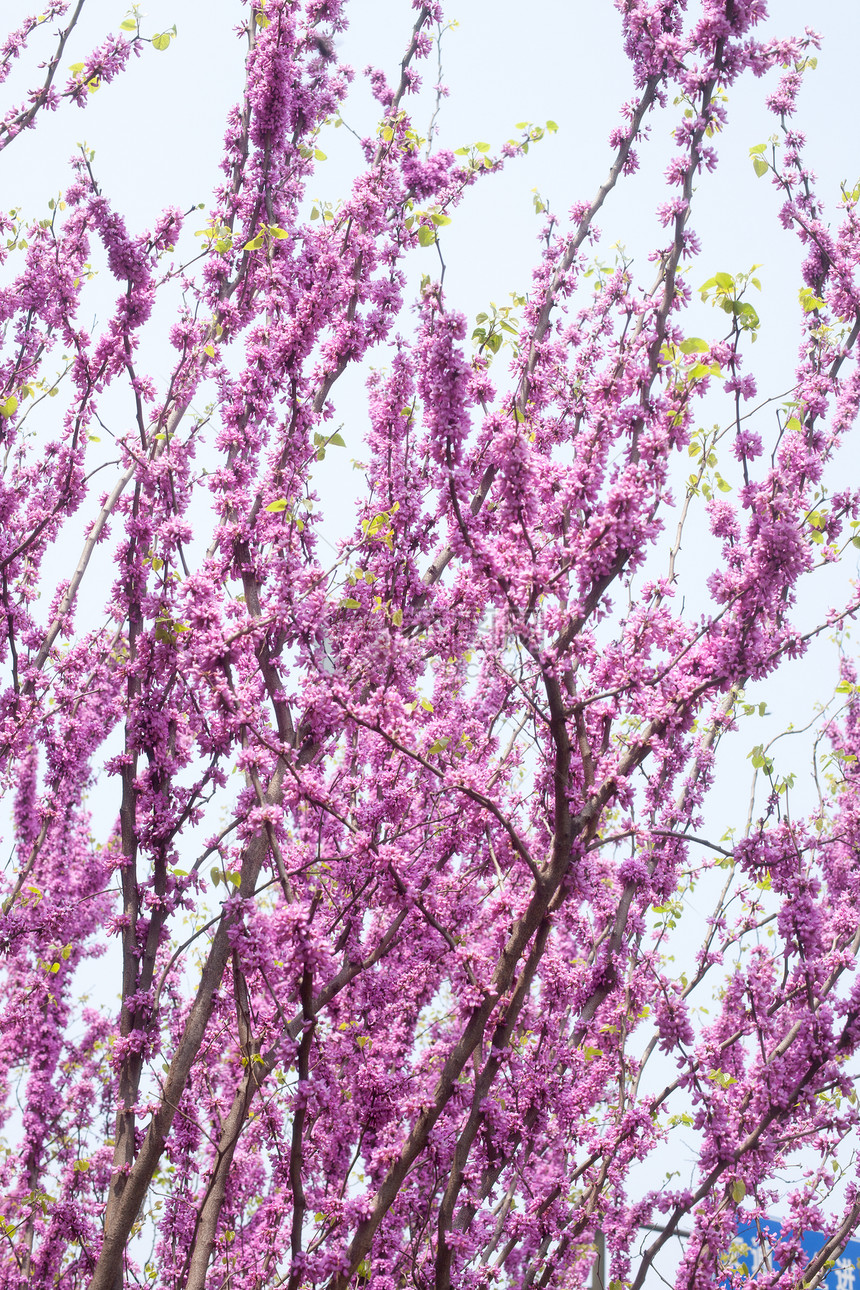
column 129, row 25
column 279, row 505
column 810, row 301
column 482, row 147
column 426, row 235
column 438, row 218
column 722, row 1078
column 739, row 1190
column 760, row 166
column 426, row 705
column 210, row 350
column 694, row 345
column 747, row 315
column 280, row 233
column 349, row 603
column 724, row 280
column 161, row 41
column 337, row 440
column 319, row 154
column 758, row 149
column 9, row 408
column 551, row 126
column 261, row 20
column 254, row 244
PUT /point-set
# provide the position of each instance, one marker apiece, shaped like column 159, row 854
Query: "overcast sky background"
column 157, row 134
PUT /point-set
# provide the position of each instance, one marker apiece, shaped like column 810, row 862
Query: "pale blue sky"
column 157, row 134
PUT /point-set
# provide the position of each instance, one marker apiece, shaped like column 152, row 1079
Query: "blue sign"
column 760, row 1238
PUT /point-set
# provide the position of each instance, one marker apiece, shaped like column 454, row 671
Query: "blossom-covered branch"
column 400, row 842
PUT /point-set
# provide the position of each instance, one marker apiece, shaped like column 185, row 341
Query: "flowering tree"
column 402, row 1000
